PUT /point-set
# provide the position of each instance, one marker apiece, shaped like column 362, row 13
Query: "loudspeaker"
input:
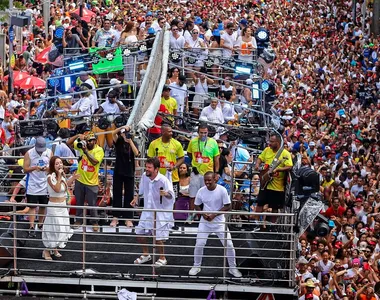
column 307, row 181
column 268, row 261
column 7, row 242
column 6, row 249
column 20, row 21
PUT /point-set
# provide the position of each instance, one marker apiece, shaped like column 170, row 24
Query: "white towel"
column 126, row 295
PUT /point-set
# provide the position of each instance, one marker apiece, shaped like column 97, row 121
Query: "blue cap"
column 149, row 14
column 244, row 22
column 151, row 31
column 216, row 32
column 220, row 26
column 198, row 21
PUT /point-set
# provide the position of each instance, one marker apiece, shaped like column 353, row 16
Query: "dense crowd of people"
column 327, row 88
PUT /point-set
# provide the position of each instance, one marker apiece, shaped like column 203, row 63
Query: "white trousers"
column 204, row 230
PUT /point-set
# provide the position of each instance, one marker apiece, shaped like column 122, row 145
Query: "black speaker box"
column 269, row 261
column 20, row 21
column 6, row 249
column 7, row 242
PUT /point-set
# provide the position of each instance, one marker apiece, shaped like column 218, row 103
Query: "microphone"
column 161, row 189
column 156, row 152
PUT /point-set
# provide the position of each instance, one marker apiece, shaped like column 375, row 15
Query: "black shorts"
column 40, row 199
column 274, row 199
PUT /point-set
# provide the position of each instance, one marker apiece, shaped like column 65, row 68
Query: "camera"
column 81, row 144
column 127, row 133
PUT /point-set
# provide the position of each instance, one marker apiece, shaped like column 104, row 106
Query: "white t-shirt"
column 229, row 41
column 111, row 108
column 325, row 268
column 12, row 104
column 213, row 201
column 213, row 115
column 84, row 106
column 177, row 43
column 93, row 98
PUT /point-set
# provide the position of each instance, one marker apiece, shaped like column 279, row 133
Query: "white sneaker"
column 194, row 271
column 235, row 272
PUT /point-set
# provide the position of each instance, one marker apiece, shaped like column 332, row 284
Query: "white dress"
column 56, row 230
column 129, row 67
column 201, row 93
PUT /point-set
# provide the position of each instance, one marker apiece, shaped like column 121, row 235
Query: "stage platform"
column 262, row 257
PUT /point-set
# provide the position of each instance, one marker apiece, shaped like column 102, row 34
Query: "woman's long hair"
column 52, row 161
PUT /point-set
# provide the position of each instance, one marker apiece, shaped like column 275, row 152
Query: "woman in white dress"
column 56, row 230
column 246, row 45
column 129, row 38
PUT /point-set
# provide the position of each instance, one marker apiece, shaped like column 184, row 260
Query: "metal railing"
column 265, row 258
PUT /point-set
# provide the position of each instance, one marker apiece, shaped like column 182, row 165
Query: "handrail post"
column 14, row 239
column 134, row 75
column 225, row 248
column 292, row 264
column 154, row 244
column 84, row 240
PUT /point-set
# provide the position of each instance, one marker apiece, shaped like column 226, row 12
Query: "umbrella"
column 42, row 57
column 32, row 82
column 87, row 14
column 18, row 76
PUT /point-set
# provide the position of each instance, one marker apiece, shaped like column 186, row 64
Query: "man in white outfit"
column 158, row 194
column 214, row 198
column 212, row 112
column 36, row 162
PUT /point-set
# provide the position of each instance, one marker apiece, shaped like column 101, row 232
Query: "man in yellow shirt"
column 86, row 187
column 169, row 152
column 274, row 194
column 169, row 102
column 204, row 154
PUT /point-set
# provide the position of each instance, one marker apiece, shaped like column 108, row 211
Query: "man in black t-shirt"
column 124, row 174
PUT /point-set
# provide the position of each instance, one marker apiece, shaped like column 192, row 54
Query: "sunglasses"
column 174, row 29
column 195, row 32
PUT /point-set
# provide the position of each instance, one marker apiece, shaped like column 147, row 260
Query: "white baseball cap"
column 115, row 81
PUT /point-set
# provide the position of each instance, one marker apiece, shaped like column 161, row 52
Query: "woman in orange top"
column 246, row 45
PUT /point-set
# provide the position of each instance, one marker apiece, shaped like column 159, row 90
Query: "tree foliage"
column 4, row 5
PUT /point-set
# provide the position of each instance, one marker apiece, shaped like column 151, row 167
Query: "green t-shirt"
column 203, row 154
